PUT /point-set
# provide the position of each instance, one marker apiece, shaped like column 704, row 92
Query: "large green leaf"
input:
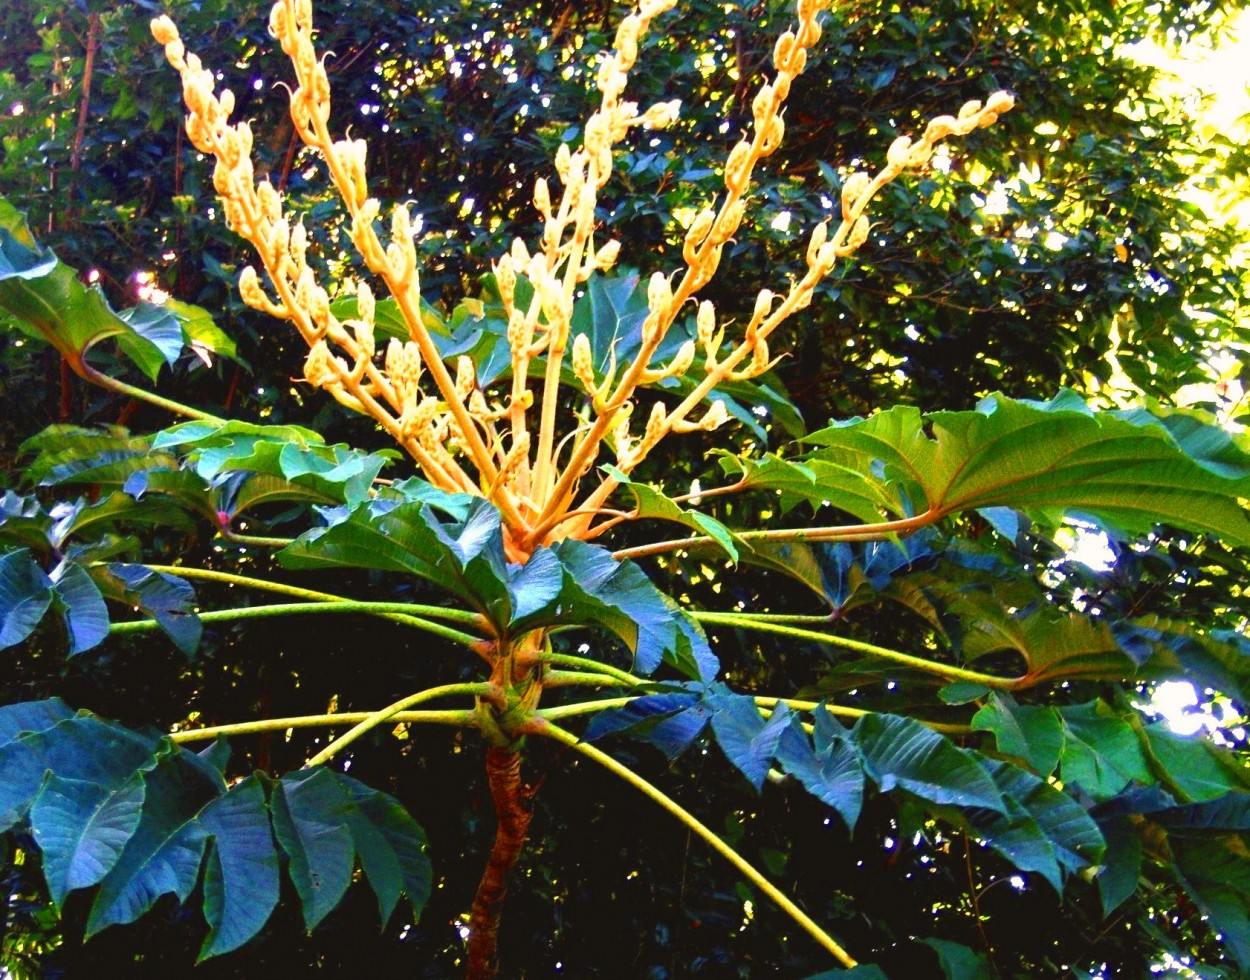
column 1077, row 841
column 241, row 871
column 86, row 617
column 1130, row 470
column 166, row 598
column 324, row 820
column 164, row 854
column 829, row 766
column 1216, row 874
column 25, row 595
column 573, row 583
column 747, row 740
column 143, row 818
column 1033, row 733
column 670, row 721
column 391, row 847
column 1101, row 753
column 899, row 751
column 82, row 827
column 48, row 301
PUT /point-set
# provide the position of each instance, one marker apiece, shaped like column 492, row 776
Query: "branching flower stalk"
column 527, row 449
column 462, row 440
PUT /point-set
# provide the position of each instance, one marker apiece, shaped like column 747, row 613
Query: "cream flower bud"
column 250, row 290
column 705, row 322
column 896, row 155
column 564, row 161
column 701, row 225
column 681, row 360
column 317, row 365
column 542, row 194
column 763, row 303
column 655, row 424
column 583, row 361
column 859, row 233
column 505, row 278
column 716, row 416
column 852, row 190
column 628, row 30
column 729, row 221
column 736, row 162
column 783, row 49
column 516, row 332
column 520, row 254
column 366, row 306
column 277, row 21
column 762, row 105
column 393, row 362
column 970, row 109
column 164, row 30
column 299, row 245
column 466, row 376
column 270, row 201
column 940, row 127
column 606, row 257
column 819, row 234
column 659, row 293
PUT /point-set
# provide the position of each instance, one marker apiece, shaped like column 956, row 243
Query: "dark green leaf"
column 25, row 594
column 241, row 873
column 310, row 812
column 1030, row 732
column 902, row 752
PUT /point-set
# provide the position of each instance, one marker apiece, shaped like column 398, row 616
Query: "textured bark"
column 512, row 813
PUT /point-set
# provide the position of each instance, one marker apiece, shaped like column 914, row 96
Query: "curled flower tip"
column 164, row 30
column 1000, row 102
column 852, row 190
column 662, row 115
column 898, row 152
column 716, row 416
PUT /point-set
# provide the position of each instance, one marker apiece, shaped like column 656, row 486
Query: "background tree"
column 1012, row 285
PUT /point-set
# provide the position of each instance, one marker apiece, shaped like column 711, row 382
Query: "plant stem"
column 311, row 608
column 563, row 711
column 141, row 394
column 390, row 711
column 255, row 540
column 946, row 728
column 848, row 532
column 295, row 591
column 461, row 718
column 573, row 678
column 560, row 712
column 593, row 665
column 698, row 827
column 512, row 813
column 945, row 671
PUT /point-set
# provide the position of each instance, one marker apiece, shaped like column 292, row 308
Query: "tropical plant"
column 518, row 410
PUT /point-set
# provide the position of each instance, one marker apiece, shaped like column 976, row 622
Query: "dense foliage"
column 1000, row 798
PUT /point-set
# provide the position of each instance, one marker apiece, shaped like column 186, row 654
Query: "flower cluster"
column 462, row 440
